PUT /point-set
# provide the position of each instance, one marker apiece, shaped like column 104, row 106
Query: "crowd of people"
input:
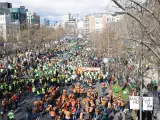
column 44, row 78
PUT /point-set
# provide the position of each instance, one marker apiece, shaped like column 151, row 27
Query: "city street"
column 80, row 60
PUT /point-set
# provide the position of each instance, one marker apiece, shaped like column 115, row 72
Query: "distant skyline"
column 53, row 9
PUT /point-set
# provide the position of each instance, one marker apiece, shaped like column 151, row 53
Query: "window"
column 98, row 20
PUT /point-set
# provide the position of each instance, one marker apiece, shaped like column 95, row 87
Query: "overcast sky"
column 53, row 9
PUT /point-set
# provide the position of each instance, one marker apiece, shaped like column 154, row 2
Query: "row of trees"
column 109, row 42
column 142, row 27
column 135, row 38
column 32, row 39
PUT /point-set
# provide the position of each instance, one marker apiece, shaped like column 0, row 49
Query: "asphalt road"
column 20, row 115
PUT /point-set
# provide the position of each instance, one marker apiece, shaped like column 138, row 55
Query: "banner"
column 90, row 68
column 148, row 103
column 134, row 102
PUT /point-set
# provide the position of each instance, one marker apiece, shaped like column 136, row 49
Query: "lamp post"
column 108, row 46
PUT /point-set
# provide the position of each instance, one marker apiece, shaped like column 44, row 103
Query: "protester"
column 44, row 78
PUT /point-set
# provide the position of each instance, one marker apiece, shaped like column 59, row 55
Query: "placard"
column 134, row 102
column 91, row 69
column 148, row 103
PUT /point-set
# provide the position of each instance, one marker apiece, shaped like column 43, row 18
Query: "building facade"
column 86, row 28
column 97, row 22
column 66, row 17
column 5, row 5
column 46, row 22
column 8, row 29
column 19, row 14
column 80, row 26
column 33, row 20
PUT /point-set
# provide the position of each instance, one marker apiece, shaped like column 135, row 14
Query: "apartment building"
column 33, row 19
column 97, row 22
column 8, row 29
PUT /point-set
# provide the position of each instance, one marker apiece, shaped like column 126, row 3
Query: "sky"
column 53, row 9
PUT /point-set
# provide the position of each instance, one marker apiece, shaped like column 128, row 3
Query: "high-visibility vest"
column 96, row 111
column 114, row 105
column 11, row 115
column 40, row 80
column 109, row 105
column 2, row 87
column 32, row 80
column 103, row 102
column 81, row 116
column 35, row 103
column 43, row 91
column 38, row 93
column 82, row 90
column 122, row 104
column 6, row 86
column 52, row 113
column 33, row 89
column 53, row 79
column 27, row 81
column 10, row 87
column 14, row 83
column 3, row 103
column 68, row 114
column 48, row 109
column 90, row 109
column 119, row 103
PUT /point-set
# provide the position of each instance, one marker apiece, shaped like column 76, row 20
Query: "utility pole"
column 158, row 72
column 141, row 61
column 56, row 34
column 108, row 41
column 108, row 47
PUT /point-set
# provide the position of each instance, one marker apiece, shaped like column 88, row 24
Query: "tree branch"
column 148, row 10
column 157, row 55
column 139, row 21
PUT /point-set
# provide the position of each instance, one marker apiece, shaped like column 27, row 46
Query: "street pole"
column 141, row 87
column 108, row 48
column 7, row 60
column 141, row 82
column 158, row 72
column 108, row 41
column 56, row 34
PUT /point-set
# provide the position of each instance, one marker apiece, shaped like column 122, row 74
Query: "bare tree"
column 142, row 21
column 113, row 32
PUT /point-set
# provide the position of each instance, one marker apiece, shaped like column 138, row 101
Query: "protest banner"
column 134, row 102
column 91, row 69
column 148, row 103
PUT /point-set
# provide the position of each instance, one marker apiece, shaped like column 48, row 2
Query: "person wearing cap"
column 96, row 113
column 4, row 105
column 1, row 116
column 82, row 90
column 48, row 109
column 53, row 114
column 91, row 112
column 36, row 103
column 81, row 117
column 73, row 111
column 119, row 105
column 122, row 105
column 67, row 115
column 78, row 109
column 103, row 102
column 115, row 106
column 11, row 115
